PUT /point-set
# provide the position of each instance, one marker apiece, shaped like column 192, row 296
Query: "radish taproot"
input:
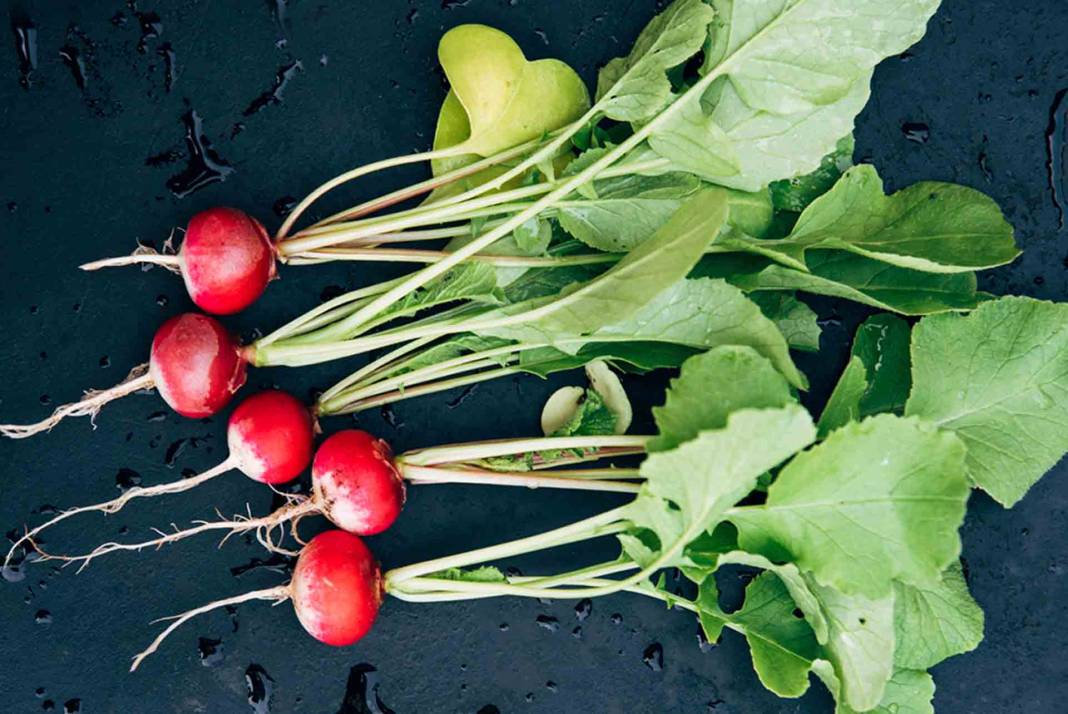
column 195, row 363
column 226, row 260
column 336, row 592
column 359, row 486
column 269, row 435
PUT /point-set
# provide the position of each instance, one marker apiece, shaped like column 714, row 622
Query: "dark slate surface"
column 86, row 152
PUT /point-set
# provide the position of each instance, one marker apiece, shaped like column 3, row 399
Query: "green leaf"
column 877, row 501
column 907, row 692
column 797, row 193
column 626, row 211
column 637, row 356
column 936, row 621
column 507, row 99
column 931, row 226
column 791, row 75
column 843, row 406
column 694, row 142
column 636, row 87
column 591, row 418
column 533, row 237
column 876, row 379
column 782, row 646
column 710, row 387
column 704, row 313
column 797, row 322
column 544, row 282
column 451, row 348
column 852, row 277
column 484, row 574
column 689, row 489
column 618, row 293
column 997, row 378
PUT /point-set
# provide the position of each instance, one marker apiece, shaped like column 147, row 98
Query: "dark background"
column 88, row 144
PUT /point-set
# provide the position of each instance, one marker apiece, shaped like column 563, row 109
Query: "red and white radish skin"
column 196, row 364
column 226, row 260
column 336, row 588
column 356, row 484
column 270, row 436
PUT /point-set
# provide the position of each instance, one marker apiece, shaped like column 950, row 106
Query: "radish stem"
column 433, row 475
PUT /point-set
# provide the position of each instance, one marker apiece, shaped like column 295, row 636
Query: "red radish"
column 356, row 483
column 270, row 436
column 195, row 363
column 226, row 260
column 336, row 590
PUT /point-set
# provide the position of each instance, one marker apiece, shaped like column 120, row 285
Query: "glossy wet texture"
column 356, row 483
column 271, row 437
column 86, row 168
column 227, row 260
column 195, row 365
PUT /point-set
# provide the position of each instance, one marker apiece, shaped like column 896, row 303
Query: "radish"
column 358, row 484
column 196, row 365
column 270, row 438
column 336, row 591
column 226, row 260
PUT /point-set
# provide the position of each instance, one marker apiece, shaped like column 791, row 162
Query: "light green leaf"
column 483, row 574
column 649, row 269
column 907, row 692
column 710, row 387
column 694, row 142
column 935, row 621
column 877, row 501
column 533, row 237
column 635, row 87
column 625, row 211
column 688, row 490
column 843, row 406
column 782, row 645
column 797, row 322
column 930, row 226
column 704, row 313
column 507, row 99
column 852, row 277
column 998, row 378
column 636, row 356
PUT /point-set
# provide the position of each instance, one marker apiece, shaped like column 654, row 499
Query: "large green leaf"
column 797, row 322
column 795, row 194
column 648, row 270
column 935, row 621
column 688, row 490
column 907, row 692
column 930, row 226
column 790, row 76
column 507, row 99
column 877, row 501
column 998, row 378
column 705, row 313
column 710, row 387
column 852, row 277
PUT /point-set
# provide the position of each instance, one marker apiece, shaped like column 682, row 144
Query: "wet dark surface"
column 118, row 122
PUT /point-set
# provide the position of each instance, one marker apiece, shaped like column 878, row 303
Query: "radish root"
column 263, row 526
column 116, row 504
column 279, row 594
column 89, row 405
column 143, row 255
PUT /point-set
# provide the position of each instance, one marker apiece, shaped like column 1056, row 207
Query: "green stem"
column 349, row 406
column 484, row 477
column 602, row 524
column 475, row 451
column 400, row 255
column 380, row 363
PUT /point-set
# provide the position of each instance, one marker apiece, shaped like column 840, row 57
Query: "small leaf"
column 936, row 621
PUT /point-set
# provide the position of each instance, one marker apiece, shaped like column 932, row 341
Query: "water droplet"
column 702, row 642
column 616, row 618
column 205, row 166
column 583, row 609
column 210, row 651
column 1056, row 150
column 26, row 48
column 43, row 617
column 450, row 4
column 577, row 632
column 551, row 686
column 547, row 622
column 275, row 563
column 489, row 709
column 361, row 692
column 126, row 479
column 45, row 399
column 170, row 72
column 75, row 63
column 105, row 362
column 72, row 706
column 151, row 28
column 39, row 692
column 162, row 300
column 464, row 395
column 653, row 657
column 156, row 416
column 284, row 205
column 48, row 705
column 503, row 627
column 916, row 132
column 274, row 95
column 259, row 687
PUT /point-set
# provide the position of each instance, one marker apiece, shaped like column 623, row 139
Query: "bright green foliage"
column 935, row 621
column 998, row 378
column 877, row 501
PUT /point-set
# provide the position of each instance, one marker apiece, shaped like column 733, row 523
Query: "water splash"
column 274, row 95
column 26, row 48
column 205, row 166
column 361, row 692
column 1055, row 151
